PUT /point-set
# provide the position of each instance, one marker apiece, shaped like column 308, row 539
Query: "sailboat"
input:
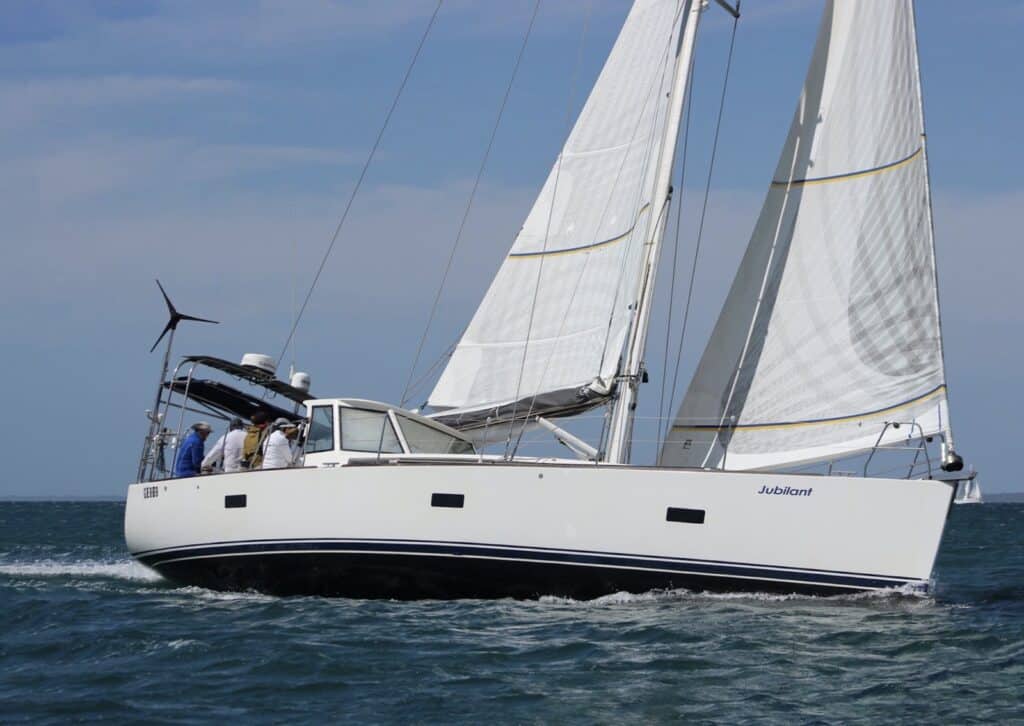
column 969, row 493
column 829, row 346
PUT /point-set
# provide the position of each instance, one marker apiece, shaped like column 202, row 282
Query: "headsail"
column 549, row 334
column 831, row 327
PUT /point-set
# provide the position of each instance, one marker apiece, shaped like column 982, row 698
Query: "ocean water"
column 86, row 634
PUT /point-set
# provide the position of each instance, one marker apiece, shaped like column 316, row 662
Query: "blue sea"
column 89, row 635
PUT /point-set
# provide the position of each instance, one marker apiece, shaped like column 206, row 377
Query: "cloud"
column 246, row 235
column 105, row 166
column 236, row 32
column 27, row 102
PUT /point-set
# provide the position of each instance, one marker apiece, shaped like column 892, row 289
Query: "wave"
column 913, row 592
column 203, row 593
column 130, row 570
column 118, row 569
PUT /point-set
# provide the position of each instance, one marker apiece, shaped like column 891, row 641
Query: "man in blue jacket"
column 190, row 455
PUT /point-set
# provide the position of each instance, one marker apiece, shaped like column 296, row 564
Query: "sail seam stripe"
column 814, row 422
column 850, row 175
column 582, row 248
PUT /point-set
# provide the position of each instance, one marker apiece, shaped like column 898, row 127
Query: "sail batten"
column 831, row 328
column 548, row 337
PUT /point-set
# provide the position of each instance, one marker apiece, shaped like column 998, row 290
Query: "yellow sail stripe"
column 852, row 174
column 583, row 248
column 819, row 422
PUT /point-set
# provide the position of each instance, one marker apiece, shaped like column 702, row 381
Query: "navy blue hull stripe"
column 340, row 544
column 348, row 548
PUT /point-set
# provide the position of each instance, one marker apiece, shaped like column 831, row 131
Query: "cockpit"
column 345, row 428
column 331, row 431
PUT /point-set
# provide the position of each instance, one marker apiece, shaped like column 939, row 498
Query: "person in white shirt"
column 280, row 451
column 226, row 453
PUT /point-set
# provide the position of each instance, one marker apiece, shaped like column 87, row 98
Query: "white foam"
column 920, row 591
column 119, row 569
column 184, row 643
column 620, row 598
column 915, row 591
column 224, row 596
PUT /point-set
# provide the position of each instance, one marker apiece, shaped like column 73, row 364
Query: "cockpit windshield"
column 423, row 439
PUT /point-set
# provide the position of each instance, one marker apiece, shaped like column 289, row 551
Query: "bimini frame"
column 185, row 391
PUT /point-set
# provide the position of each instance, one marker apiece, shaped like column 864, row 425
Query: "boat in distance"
column 752, row 488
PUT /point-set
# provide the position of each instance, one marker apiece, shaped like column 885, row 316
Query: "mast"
column 931, row 222
column 621, row 429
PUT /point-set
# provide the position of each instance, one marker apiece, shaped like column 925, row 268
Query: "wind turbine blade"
column 198, row 320
column 169, row 326
column 170, row 305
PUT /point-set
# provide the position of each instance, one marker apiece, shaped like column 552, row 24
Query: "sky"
column 214, row 145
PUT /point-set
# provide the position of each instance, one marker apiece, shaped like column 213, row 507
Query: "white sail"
column 831, row 327
column 548, row 336
column 969, row 493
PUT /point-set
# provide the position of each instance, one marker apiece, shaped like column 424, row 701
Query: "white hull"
column 526, row 530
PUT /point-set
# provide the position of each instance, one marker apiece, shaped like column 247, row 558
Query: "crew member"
column 226, row 453
column 190, row 455
column 255, row 437
column 280, row 450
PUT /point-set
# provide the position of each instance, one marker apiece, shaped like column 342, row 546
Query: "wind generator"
column 154, row 440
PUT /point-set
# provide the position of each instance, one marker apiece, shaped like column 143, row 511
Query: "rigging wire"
column 445, row 355
column 662, row 207
column 540, row 271
column 700, row 227
column 295, row 284
column 362, row 175
column 469, row 204
column 675, row 245
column 647, row 279
column 574, row 80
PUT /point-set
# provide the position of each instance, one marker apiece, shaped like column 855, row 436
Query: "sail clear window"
column 363, row 430
column 320, row 436
column 423, row 439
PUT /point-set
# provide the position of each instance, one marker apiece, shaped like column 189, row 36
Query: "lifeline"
column 787, row 491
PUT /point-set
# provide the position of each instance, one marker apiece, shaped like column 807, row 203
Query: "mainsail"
column 831, row 327
column 548, row 337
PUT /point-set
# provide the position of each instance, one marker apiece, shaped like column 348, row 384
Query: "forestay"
column 548, row 336
column 831, row 327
